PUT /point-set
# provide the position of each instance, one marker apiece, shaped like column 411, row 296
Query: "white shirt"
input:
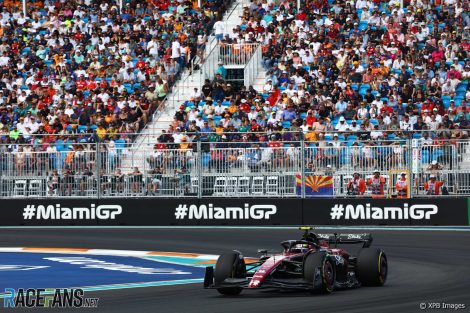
column 219, row 28
column 175, row 49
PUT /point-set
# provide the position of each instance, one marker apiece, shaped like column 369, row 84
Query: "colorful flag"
column 315, row 185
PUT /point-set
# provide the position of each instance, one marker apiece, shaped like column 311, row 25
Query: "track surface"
column 424, row 266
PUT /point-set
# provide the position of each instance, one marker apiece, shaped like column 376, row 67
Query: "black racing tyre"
column 327, row 279
column 372, row 267
column 229, row 265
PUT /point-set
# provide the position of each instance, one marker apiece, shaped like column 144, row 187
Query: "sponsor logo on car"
column 211, row 212
column 355, row 236
column 368, row 212
column 57, row 212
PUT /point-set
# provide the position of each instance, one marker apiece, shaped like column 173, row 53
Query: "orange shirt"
column 433, row 188
column 358, row 186
column 402, row 188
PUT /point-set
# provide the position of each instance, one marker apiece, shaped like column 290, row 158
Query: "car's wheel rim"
column 383, row 269
column 328, row 275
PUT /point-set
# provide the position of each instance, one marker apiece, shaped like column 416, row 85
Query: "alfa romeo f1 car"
column 312, row 263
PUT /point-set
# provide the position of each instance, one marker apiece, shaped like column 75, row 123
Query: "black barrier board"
column 416, row 211
column 152, row 212
column 193, row 211
column 233, row 211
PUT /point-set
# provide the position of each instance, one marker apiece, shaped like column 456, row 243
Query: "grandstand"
column 329, row 90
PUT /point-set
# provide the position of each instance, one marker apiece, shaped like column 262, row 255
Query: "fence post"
column 199, row 168
column 98, row 169
column 414, row 155
column 302, row 168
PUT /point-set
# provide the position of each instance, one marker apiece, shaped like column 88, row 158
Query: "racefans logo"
column 368, row 212
column 211, row 212
column 57, row 212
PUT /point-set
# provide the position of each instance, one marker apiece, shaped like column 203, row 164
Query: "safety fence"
column 242, row 55
column 237, row 54
column 237, row 169
column 251, row 70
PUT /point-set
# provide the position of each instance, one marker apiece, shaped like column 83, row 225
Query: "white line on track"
column 384, row 228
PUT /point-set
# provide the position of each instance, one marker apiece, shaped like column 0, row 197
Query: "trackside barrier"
column 234, row 211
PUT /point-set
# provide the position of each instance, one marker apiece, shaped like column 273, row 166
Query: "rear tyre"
column 372, row 267
column 324, row 283
column 229, row 265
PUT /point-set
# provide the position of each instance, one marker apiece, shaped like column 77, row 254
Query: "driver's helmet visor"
column 300, row 247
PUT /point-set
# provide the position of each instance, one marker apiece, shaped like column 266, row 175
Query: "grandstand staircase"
column 180, row 92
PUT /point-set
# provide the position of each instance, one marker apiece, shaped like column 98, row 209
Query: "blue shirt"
column 289, row 115
column 340, row 106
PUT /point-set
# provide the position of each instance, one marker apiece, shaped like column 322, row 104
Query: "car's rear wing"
column 365, row 238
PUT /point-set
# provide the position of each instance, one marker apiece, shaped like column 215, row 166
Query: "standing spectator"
column 219, row 29
column 377, row 183
column 433, row 186
column 356, row 186
column 402, row 186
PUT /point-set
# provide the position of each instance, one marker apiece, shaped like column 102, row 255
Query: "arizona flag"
column 315, row 185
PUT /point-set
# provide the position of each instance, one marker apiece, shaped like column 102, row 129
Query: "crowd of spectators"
column 77, row 73
column 87, row 67
column 368, row 68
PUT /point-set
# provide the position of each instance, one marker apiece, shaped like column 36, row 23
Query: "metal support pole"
column 98, row 169
column 302, row 160
column 24, row 7
column 199, row 168
column 199, row 4
column 298, row 5
column 120, row 6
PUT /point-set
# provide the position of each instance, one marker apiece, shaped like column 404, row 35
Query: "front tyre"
column 229, row 265
column 372, row 267
column 320, row 271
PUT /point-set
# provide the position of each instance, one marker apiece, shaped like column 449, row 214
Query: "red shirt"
column 274, row 144
column 274, row 96
column 427, row 106
column 302, row 16
column 245, row 107
column 386, row 109
column 81, row 84
column 140, row 65
column 91, row 85
column 310, row 120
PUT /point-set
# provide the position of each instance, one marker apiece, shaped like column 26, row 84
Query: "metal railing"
column 251, row 69
column 210, row 64
column 247, row 56
column 237, row 53
column 238, row 169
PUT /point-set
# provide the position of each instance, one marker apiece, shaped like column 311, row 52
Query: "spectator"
column 433, row 186
column 377, row 183
column 402, row 186
column 356, row 186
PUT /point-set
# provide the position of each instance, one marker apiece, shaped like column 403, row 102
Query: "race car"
column 312, row 263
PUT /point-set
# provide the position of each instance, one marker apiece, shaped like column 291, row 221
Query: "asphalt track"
column 424, row 266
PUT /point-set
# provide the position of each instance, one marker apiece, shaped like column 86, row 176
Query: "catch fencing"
column 198, row 168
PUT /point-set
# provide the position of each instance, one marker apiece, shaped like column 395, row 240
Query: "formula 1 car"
column 312, row 263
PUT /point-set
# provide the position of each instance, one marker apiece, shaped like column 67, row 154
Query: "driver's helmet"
column 300, row 248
